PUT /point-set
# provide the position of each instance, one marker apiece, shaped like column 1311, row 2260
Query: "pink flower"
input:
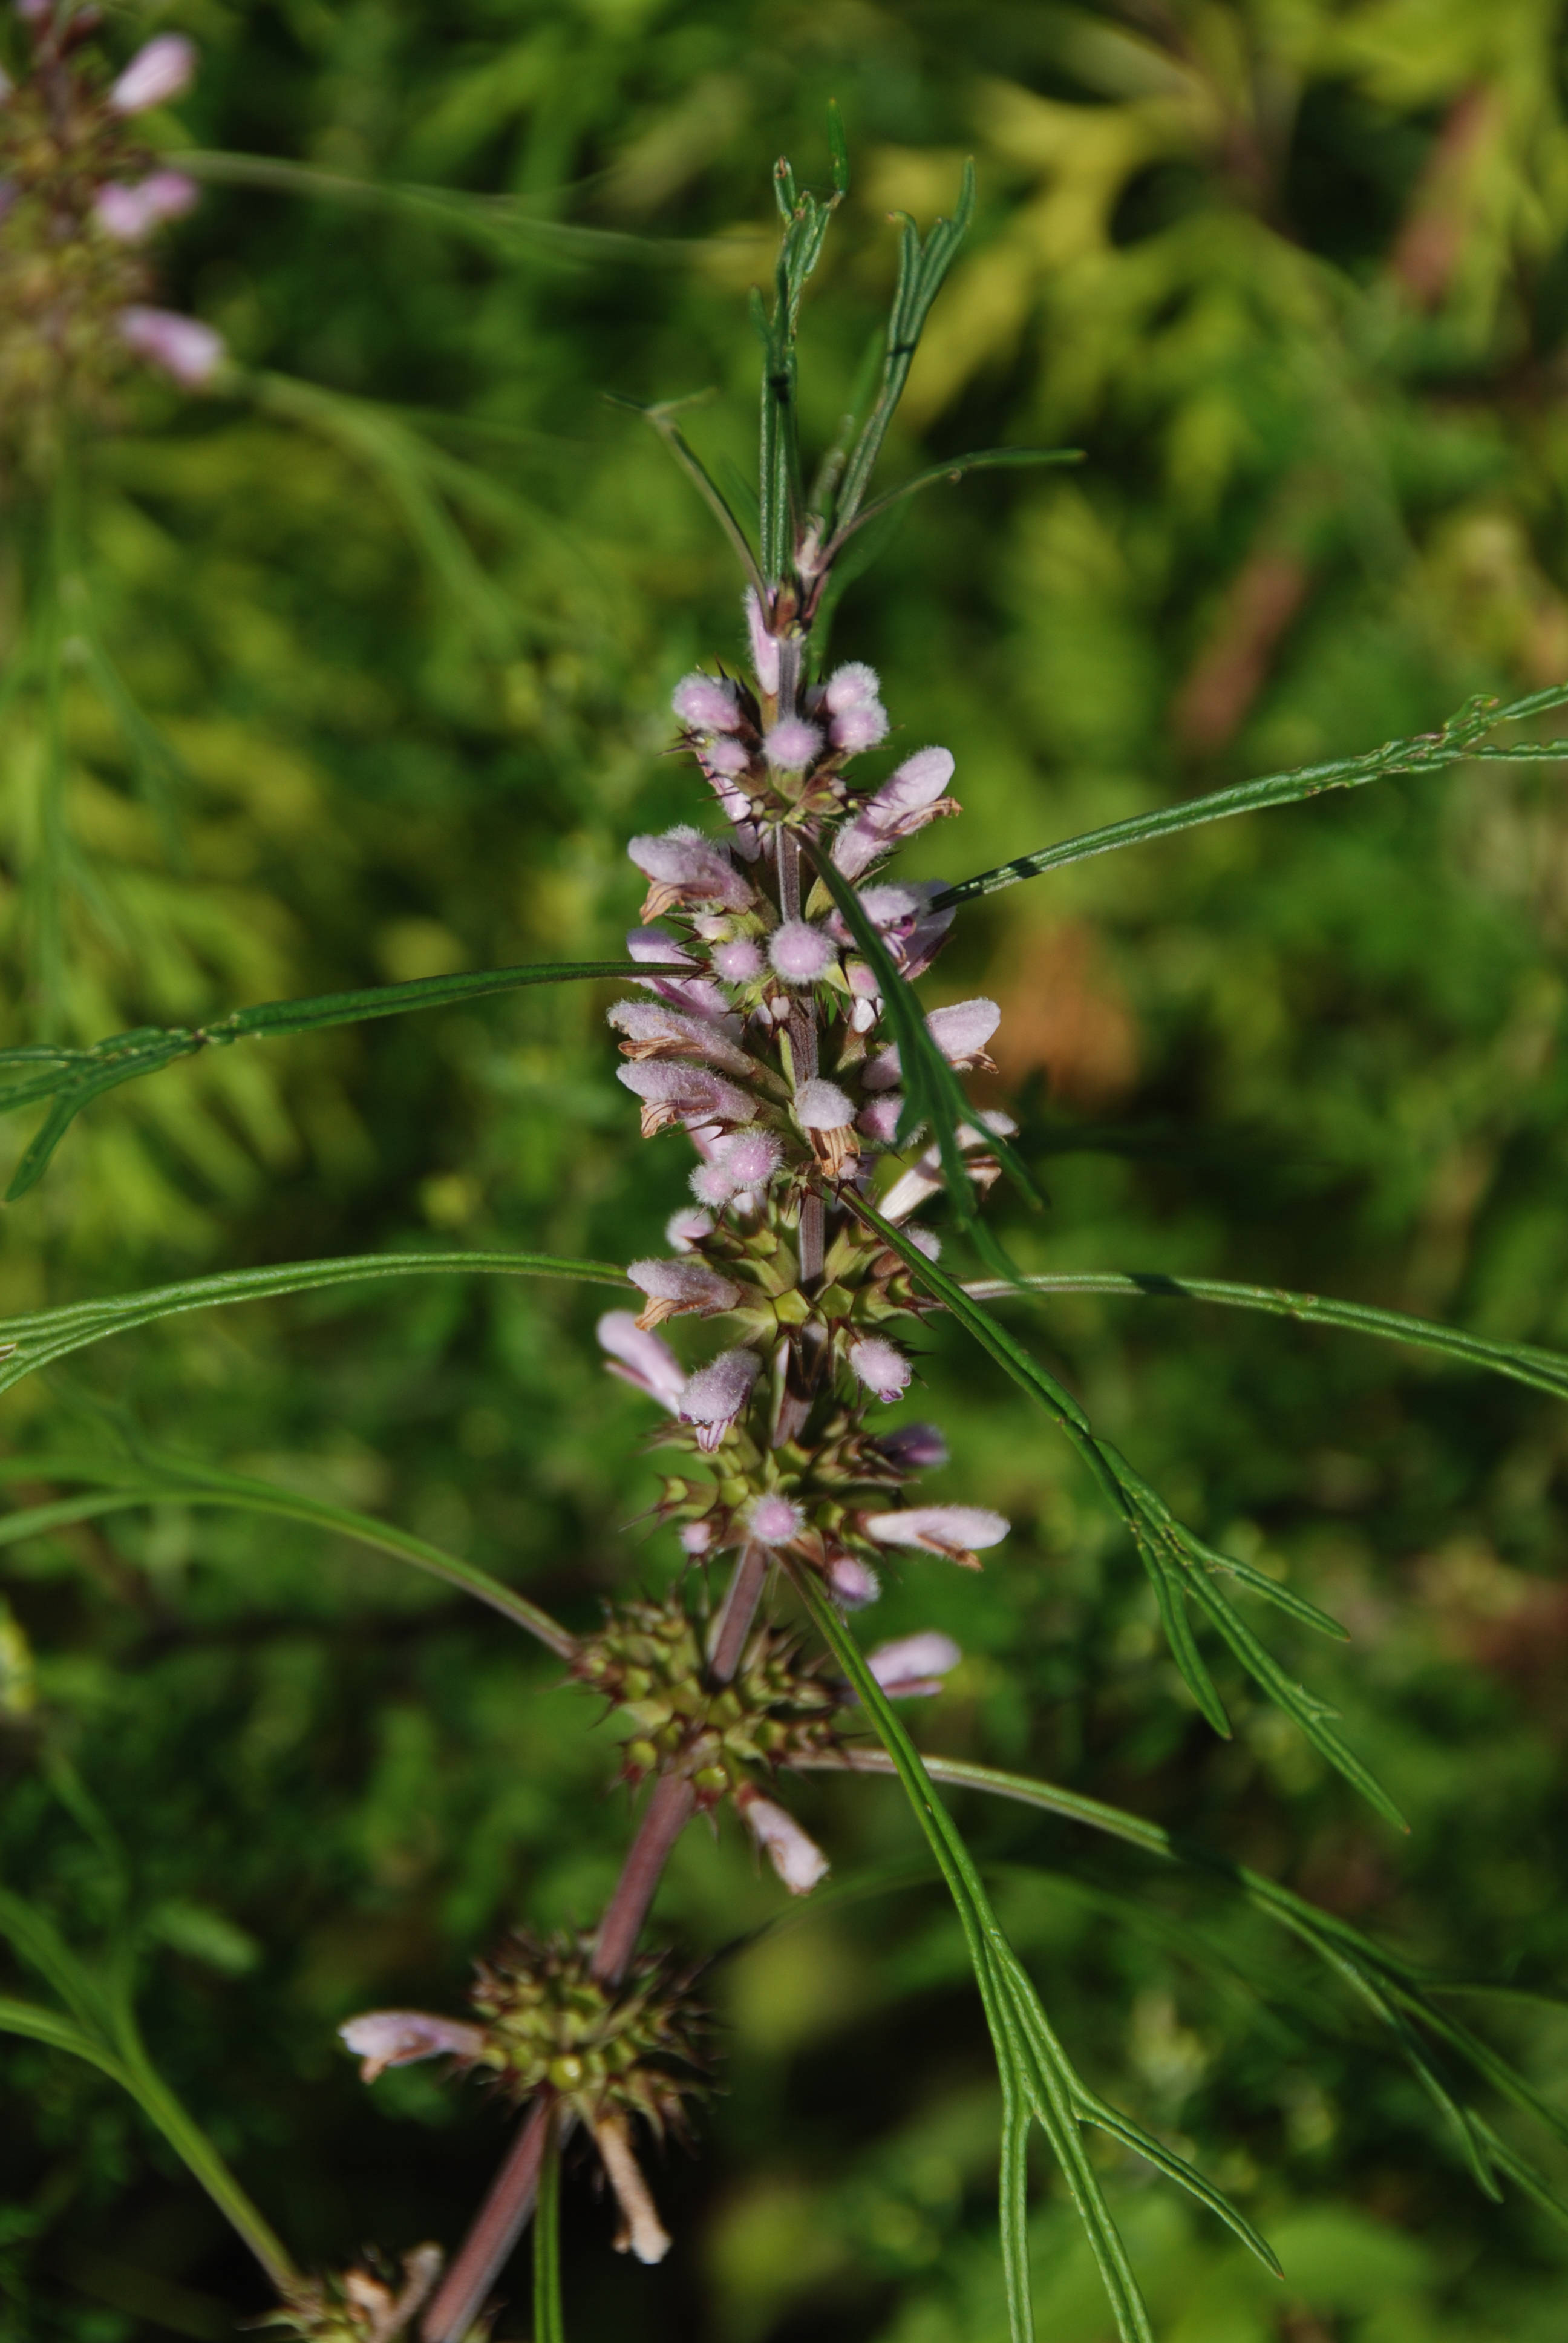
column 791, row 746
column 913, row 1448
column 164, row 69
column 706, row 705
column 952, row 1530
column 960, row 1032
column 183, row 346
column 687, row 868
column 727, row 758
column 129, row 214
column 737, row 962
column 656, row 945
column 686, row 1229
column 914, row 1664
column 656, row 1031
column 640, row 1359
column 924, row 1177
column 764, row 646
column 715, row 1395
column 879, row 1119
column 680, row 1092
column 397, row 2038
column 910, row 797
column 801, row 953
column 854, row 1583
column 697, row 1537
column 881, row 1366
column 821, row 1105
column 797, row 1859
column 774, row 1520
column 911, row 931
column 749, row 1158
column 673, row 1287
column 711, row 1185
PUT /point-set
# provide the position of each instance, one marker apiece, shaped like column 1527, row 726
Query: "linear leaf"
column 1458, row 740
column 1522, row 1363
column 1030, row 2062
column 662, row 418
column 983, row 460
column 81, row 1075
column 35, row 1340
column 1179, row 1566
column 202, row 1485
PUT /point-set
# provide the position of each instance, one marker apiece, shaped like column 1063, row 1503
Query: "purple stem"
column 736, row 1612
column 665, row 1816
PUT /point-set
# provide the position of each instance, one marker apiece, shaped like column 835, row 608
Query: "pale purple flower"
column 654, row 945
column 129, row 214
column 854, row 685
column 674, row 1286
column 910, row 797
column 854, row 1583
column 398, row 2037
column 801, row 953
column 821, row 1105
column 737, row 962
column 960, row 1032
column 913, row 1448
column 952, row 1530
column 792, row 745
column 749, row 1158
column 879, row 1120
column 711, row 1185
column 764, row 646
column 715, row 1395
column 686, row 1229
column 727, row 758
column 641, row 1359
column 797, row 1858
column 697, row 1537
column 657, row 1029
column 883, row 1072
column 705, row 705
column 642, row 2232
column 924, row 1177
column 915, row 1664
column 925, row 1241
column 183, row 346
column 858, row 729
column 881, row 1366
column 164, row 69
column 675, row 1091
column 687, row 868
column 910, row 929
column 774, row 1520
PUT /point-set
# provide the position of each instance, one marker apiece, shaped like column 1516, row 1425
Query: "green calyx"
column 648, row 1661
column 632, row 2048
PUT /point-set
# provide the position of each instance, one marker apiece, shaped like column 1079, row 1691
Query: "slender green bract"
column 1546, row 1370
column 41, row 1336
column 1460, row 741
column 74, row 1076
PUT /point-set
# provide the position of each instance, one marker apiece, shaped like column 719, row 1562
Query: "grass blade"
column 1459, row 739
column 27, row 1343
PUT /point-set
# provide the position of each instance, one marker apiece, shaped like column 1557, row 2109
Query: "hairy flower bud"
column 737, row 962
column 797, row 1858
column 715, row 1395
column 854, row 685
column 791, row 746
column 911, row 931
column 960, row 1032
column 828, row 1119
column 858, row 729
column 653, row 1030
column 878, row 1118
column 675, row 1286
column 774, row 1520
column 881, row 1366
column 640, row 1359
column 749, row 1158
column 183, row 346
column 913, row 1448
column 854, row 1583
column 952, row 1530
column 686, row 1229
column 130, row 213
column 915, row 1664
column 705, row 705
column 801, row 953
column 910, row 797
column 161, row 71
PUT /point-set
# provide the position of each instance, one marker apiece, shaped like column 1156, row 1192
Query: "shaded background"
column 401, row 615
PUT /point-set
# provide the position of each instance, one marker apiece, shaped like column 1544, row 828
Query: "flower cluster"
column 80, row 197
column 366, row 2305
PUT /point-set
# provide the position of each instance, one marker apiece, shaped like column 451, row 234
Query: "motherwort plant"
column 769, row 1025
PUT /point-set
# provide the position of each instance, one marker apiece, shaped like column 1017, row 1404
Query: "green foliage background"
column 400, row 613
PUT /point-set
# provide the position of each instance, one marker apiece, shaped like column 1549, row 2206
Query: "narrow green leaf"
column 1013, row 2197
column 983, row 460
column 1190, row 1661
column 203, row 1485
column 1095, row 2110
column 27, row 1343
column 1459, row 739
column 34, row 1938
column 662, row 418
column 838, row 148
column 1542, row 1370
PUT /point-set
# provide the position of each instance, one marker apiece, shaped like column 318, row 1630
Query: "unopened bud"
column 860, row 728
column 749, row 1158
column 914, row 1447
column 791, row 746
column 705, row 705
column 775, row 1521
column 686, row 1229
column 801, row 953
column 854, row 1583
column 674, row 1286
column 881, row 1366
column 796, row 1858
column 737, row 962
column 164, row 69
column 715, row 1395
column 952, row 1530
column 821, row 1105
column 854, row 685
column 129, row 214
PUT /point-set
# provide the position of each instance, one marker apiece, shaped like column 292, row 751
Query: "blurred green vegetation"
column 400, row 613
